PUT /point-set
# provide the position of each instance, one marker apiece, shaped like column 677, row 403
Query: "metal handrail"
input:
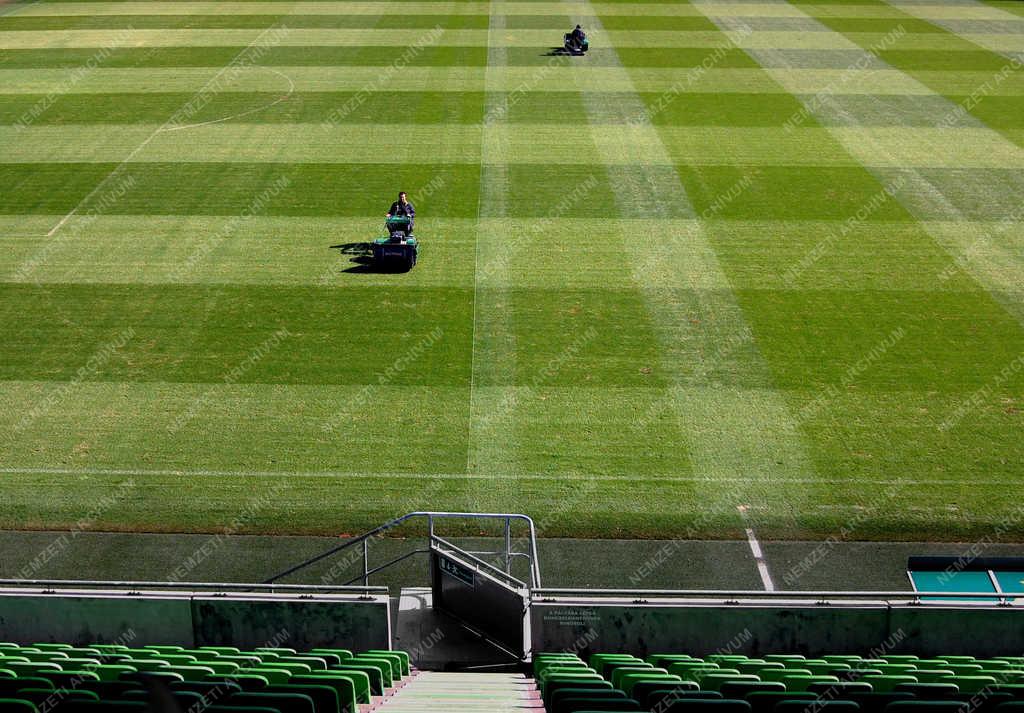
column 734, row 594
column 431, row 516
column 472, row 558
column 192, row 586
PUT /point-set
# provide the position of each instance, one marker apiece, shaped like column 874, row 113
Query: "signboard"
column 456, row 570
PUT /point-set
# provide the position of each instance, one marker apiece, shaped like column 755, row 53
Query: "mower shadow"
column 362, row 259
column 557, row 52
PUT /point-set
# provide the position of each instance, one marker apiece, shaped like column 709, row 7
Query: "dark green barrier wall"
column 194, row 621
column 759, row 629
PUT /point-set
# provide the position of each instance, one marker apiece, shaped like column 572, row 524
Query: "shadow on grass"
column 362, row 257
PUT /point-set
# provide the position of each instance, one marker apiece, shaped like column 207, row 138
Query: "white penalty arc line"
column 755, row 549
column 166, row 126
column 287, row 95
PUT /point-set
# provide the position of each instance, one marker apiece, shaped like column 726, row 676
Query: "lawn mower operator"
column 403, row 207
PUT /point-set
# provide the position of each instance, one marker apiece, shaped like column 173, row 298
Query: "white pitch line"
column 9, row 470
column 291, row 90
column 755, row 549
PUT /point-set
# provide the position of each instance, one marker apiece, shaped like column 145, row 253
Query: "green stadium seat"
column 31, row 668
column 707, row 705
column 619, row 671
column 346, row 654
column 894, row 669
column 325, row 698
column 78, row 706
column 663, row 660
column 699, row 675
column 784, row 658
column 593, row 705
column 886, row 684
column 13, row 705
column 765, row 701
column 397, row 657
column 193, row 673
column 984, row 702
column 799, row 683
column 780, row 674
column 820, row 706
column 929, row 690
column 756, row 666
column 271, row 673
column 876, row 702
column 659, row 698
column 49, row 699
column 247, row 681
column 679, row 666
column 316, row 663
column 972, row 684
column 839, row 689
column 141, row 677
column 964, row 669
column 349, row 693
column 283, row 702
column 642, row 689
column 927, row 707
column 553, row 687
column 740, row 689
column 715, row 681
column 372, row 671
column 927, row 675
column 556, row 699
column 145, row 665
column 10, row 686
column 628, row 681
column 828, row 668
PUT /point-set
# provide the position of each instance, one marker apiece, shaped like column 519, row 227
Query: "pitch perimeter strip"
column 157, row 472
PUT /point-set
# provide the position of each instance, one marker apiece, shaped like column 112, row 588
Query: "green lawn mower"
column 399, row 250
column 576, row 45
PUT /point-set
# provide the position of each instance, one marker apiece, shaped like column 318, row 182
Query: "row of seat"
column 60, row 678
column 780, row 683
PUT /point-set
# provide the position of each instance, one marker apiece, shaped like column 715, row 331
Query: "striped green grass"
column 658, row 282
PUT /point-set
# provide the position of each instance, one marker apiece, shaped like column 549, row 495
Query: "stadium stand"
column 69, row 679
column 841, row 683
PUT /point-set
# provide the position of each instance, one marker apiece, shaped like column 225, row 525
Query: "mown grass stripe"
column 400, row 21
column 994, row 20
column 915, row 189
column 496, row 145
column 758, row 438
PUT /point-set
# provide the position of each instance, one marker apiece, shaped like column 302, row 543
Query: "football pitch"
column 744, row 264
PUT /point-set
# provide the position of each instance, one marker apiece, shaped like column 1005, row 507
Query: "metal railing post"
column 366, row 562
column 508, row 545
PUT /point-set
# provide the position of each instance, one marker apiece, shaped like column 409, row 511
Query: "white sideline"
column 755, row 549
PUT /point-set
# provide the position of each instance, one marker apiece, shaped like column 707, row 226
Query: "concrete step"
column 442, row 692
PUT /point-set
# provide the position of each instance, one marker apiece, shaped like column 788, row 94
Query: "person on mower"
column 577, row 36
column 403, row 207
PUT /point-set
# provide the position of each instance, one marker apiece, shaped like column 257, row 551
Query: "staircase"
column 464, row 693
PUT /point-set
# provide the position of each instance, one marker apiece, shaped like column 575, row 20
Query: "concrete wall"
column 195, row 620
column 757, row 629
